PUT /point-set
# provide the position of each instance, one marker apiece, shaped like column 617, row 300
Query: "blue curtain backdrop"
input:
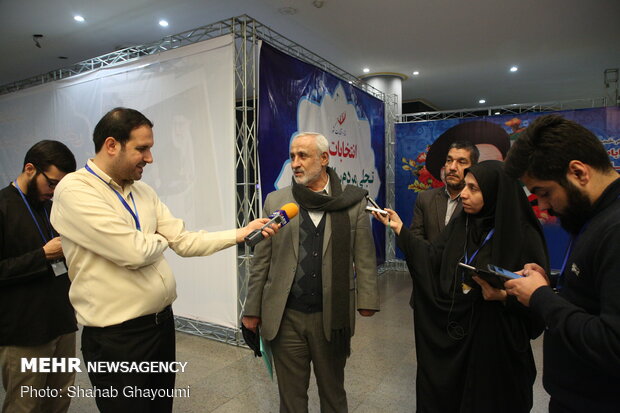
column 289, row 92
column 417, row 159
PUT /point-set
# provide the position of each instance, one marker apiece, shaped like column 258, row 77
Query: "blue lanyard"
column 49, row 226
column 489, row 235
column 120, row 197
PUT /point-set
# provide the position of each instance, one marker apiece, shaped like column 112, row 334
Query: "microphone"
column 280, row 216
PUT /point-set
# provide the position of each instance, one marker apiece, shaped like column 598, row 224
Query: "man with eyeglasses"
column 36, row 317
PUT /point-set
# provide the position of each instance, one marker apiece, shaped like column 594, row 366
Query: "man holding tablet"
column 569, row 170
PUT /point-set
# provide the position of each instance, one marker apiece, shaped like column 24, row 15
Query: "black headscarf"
column 475, row 354
column 506, row 209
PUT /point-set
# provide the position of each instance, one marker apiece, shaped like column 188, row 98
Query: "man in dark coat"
column 36, row 317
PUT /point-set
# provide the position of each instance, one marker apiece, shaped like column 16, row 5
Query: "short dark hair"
column 474, row 153
column 547, row 146
column 46, row 153
column 118, row 123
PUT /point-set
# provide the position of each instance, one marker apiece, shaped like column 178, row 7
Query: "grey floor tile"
column 379, row 377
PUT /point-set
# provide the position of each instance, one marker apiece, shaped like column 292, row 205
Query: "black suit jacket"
column 429, row 213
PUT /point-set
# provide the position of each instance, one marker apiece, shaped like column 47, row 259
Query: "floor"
column 380, row 374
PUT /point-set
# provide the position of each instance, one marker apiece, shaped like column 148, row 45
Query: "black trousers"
column 146, row 338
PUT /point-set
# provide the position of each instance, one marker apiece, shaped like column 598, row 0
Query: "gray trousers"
column 301, row 341
column 14, row 380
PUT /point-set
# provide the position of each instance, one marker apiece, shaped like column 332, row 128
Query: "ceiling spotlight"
column 514, row 69
column 365, row 70
column 287, row 11
column 497, row 113
column 163, row 23
column 482, row 101
column 416, row 73
column 35, row 39
column 78, row 18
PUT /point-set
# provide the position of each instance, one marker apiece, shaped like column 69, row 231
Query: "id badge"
column 59, row 268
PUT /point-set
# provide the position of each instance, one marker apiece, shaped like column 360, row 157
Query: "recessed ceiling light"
column 163, row 23
column 287, row 11
column 366, row 70
column 514, row 68
column 482, row 101
column 416, row 73
column 78, row 18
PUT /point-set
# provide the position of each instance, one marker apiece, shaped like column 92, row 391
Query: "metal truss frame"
column 610, row 78
column 243, row 27
column 391, row 118
column 293, row 49
column 513, row 109
column 246, row 108
column 247, row 34
column 128, row 54
column 391, row 114
column 208, row 330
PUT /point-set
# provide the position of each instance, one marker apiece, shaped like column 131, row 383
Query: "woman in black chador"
column 472, row 340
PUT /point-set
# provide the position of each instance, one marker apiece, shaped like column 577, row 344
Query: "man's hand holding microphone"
column 263, row 228
column 257, row 225
column 278, row 219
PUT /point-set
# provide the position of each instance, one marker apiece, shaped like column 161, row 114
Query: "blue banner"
column 421, row 148
column 297, row 97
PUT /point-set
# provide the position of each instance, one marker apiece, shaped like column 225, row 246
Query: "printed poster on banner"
column 350, row 151
column 295, row 97
column 421, row 148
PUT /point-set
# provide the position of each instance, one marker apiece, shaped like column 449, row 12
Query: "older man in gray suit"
column 435, row 207
column 303, row 290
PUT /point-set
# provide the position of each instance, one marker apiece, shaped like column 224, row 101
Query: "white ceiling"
column 463, row 49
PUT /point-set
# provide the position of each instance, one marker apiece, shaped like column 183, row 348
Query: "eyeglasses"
column 50, row 182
